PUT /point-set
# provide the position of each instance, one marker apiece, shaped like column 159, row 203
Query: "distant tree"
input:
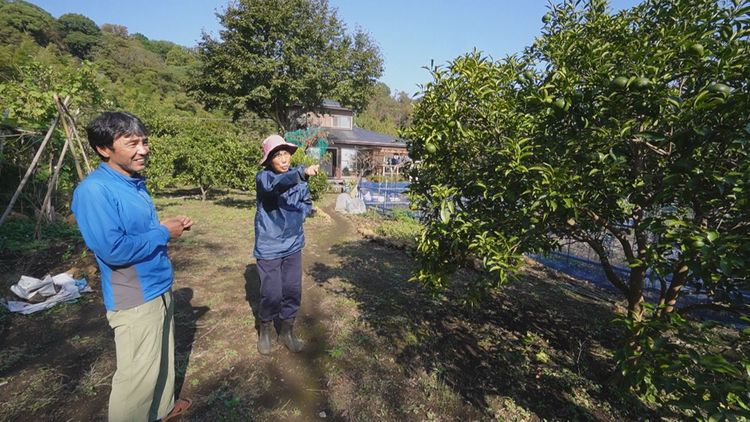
column 180, row 56
column 162, row 48
column 80, row 34
column 80, row 44
column 118, row 30
column 202, row 153
column 279, row 58
column 74, row 22
column 385, row 113
column 20, row 17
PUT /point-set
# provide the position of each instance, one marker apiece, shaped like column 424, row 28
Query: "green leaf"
column 445, row 214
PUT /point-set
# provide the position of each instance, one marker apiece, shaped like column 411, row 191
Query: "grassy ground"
column 378, row 346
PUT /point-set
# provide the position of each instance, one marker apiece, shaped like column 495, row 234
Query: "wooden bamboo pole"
column 61, row 113
column 72, row 120
column 80, row 145
column 46, row 211
column 31, row 168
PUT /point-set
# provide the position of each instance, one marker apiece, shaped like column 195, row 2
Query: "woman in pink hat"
column 282, row 205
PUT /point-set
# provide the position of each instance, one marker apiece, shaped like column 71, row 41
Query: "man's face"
column 280, row 161
column 128, row 154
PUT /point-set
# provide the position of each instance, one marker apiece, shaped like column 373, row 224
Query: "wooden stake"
column 61, row 113
column 46, row 211
column 72, row 121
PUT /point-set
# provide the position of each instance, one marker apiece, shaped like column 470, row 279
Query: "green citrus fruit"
column 547, row 17
column 431, row 148
column 641, row 82
column 529, row 74
column 620, row 82
column 560, row 104
column 719, row 89
column 696, row 49
column 698, row 244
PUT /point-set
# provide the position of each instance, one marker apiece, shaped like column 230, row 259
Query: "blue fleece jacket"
column 119, row 224
column 283, row 202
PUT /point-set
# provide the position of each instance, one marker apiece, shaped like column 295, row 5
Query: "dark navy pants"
column 280, row 287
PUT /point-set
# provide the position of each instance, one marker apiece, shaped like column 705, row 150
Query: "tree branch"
column 618, row 234
column 651, row 147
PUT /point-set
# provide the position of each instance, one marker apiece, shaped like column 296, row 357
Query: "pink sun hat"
column 274, row 142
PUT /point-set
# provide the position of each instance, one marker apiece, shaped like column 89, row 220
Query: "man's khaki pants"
column 143, row 384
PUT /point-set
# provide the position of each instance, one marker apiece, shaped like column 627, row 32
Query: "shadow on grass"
column 181, row 193
column 234, row 202
column 186, row 318
column 528, row 342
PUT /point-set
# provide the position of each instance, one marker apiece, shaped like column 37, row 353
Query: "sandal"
column 180, row 407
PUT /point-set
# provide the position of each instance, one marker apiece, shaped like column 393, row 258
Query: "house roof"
column 359, row 136
column 333, row 105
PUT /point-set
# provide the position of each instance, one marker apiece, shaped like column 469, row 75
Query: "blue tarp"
column 385, row 195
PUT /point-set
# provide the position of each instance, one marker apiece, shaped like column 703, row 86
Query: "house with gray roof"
column 346, row 141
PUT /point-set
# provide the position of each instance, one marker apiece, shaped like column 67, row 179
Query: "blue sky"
column 410, row 33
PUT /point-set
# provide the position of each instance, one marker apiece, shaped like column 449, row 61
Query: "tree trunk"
column 635, row 293
column 204, row 193
column 635, row 307
column 678, row 281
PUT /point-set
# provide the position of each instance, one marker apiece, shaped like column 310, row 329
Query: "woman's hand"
column 312, row 170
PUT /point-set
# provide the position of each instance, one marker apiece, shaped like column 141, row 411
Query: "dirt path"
column 283, row 384
column 300, row 379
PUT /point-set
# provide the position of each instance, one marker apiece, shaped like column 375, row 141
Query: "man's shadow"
column 186, row 317
column 252, row 292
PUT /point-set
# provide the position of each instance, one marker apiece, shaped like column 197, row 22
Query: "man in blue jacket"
column 119, row 224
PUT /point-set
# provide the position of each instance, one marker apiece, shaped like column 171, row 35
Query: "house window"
column 342, row 122
column 348, row 160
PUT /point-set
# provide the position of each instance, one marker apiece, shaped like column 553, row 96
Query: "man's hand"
column 187, row 222
column 312, row 170
column 176, row 225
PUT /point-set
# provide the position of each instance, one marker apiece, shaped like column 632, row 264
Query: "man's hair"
column 110, row 125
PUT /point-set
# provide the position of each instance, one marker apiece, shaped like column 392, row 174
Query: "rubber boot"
column 287, row 338
column 264, row 337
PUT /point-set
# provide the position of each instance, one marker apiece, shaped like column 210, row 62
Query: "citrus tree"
column 630, row 126
column 203, row 153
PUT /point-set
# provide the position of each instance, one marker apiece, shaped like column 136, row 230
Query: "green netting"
column 312, row 140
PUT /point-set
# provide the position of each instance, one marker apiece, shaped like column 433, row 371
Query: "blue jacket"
column 282, row 205
column 119, row 224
